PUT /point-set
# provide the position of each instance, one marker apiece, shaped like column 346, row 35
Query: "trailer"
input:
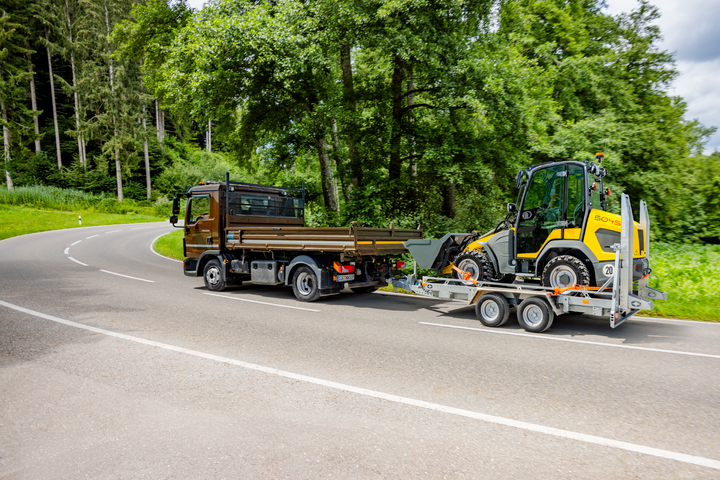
column 536, row 306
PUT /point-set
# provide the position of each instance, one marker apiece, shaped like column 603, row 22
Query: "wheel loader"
column 559, row 234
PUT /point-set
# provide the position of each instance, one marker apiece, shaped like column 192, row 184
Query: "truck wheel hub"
column 213, row 276
column 304, row 283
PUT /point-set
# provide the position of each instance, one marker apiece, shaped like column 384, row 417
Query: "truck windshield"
column 265, row 205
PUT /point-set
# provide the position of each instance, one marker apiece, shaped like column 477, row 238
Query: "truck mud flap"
column 190, row 267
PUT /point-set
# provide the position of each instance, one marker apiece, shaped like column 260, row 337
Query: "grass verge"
column 19, row 220
column 170, row 245
column 690, row 276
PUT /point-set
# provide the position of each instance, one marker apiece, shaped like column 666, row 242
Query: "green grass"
column 18, row 220
column 690, row 276
column 170, row 244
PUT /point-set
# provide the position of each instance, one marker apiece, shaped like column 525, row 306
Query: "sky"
column 690, row 30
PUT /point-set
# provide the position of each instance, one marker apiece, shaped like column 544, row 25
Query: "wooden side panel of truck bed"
column 348, row 240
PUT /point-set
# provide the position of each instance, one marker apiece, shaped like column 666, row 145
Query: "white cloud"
column 690, row 32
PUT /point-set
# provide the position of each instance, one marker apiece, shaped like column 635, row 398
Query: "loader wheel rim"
column 533, row 315
column 471, row 267
column 213, row 275
column 490, row 310
column 304, row 283
column 563, row 276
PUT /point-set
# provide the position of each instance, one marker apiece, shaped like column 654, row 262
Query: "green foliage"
column 70, row 200
column 690, row 275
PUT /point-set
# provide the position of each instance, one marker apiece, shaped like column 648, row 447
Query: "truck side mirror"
column 174, row 219
column 176, row 206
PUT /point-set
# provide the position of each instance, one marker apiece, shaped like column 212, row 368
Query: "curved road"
column 113, row 364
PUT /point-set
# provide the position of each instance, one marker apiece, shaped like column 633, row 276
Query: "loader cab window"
column 542, row 210
column 198, row 208
column 575, row 213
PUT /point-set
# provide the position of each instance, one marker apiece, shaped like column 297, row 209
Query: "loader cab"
column 553, row 203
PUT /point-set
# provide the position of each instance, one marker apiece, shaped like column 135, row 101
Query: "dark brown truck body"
column 256, row 232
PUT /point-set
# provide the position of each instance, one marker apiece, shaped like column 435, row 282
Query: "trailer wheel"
column 305, row 285
column 535, row 315
column 213, row 276
column 492, row 310
column 369, row 289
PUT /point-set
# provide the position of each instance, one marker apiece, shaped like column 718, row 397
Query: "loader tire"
column 476, row 263
column 565, row 271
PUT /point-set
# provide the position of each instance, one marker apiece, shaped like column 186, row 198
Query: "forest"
column 418, row 112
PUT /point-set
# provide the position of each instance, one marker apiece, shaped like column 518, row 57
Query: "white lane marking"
column 80, row 263
column 113, row 231
column 92, row 236
column 559, row 339
column 635, row 318
column 67, row 251
column 152, row 249
column 262, row 303
column 128, row 276
column 532, row 427
column 138, row 228
column 73, row 244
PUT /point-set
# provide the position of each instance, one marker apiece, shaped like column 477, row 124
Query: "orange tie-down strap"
column 559, row 290
column 464, row 275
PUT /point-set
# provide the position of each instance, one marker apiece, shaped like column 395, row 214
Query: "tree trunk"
column 410, row 103
column 326, row 176
column 80, row 140
column 208, row 138
column 6, row 144
column 356, row 179
column 395, row 165
column 338, row 163
column 54, row 107
column 159, row 122
column 33, row 100
column 118, row 169
column 147, row 156
column 448, row 194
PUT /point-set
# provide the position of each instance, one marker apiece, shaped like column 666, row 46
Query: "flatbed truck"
column 237, row 232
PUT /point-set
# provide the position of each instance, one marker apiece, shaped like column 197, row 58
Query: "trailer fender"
column 300, row 261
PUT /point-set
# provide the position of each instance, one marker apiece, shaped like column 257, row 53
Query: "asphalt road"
column 115, row 365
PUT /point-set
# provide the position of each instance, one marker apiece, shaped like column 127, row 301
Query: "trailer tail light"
column 340, row 268
column 400, row 265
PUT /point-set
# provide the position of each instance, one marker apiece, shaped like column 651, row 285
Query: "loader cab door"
column 553, row 208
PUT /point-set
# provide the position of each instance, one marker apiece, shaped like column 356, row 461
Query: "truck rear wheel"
column 305, row 285
column 213, row 276
column 535, row 315
column 492, row 310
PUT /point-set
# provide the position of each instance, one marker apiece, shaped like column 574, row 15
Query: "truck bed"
column 351, row 240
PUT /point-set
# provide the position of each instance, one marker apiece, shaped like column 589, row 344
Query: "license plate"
column 345, row 278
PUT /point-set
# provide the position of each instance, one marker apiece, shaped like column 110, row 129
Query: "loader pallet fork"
column 537, row 306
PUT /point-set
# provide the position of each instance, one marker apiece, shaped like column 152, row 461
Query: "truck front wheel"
column 305, row 285
column 213, row 276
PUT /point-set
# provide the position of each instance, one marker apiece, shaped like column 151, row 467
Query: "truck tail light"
column 340, row 268
column 400, row 265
